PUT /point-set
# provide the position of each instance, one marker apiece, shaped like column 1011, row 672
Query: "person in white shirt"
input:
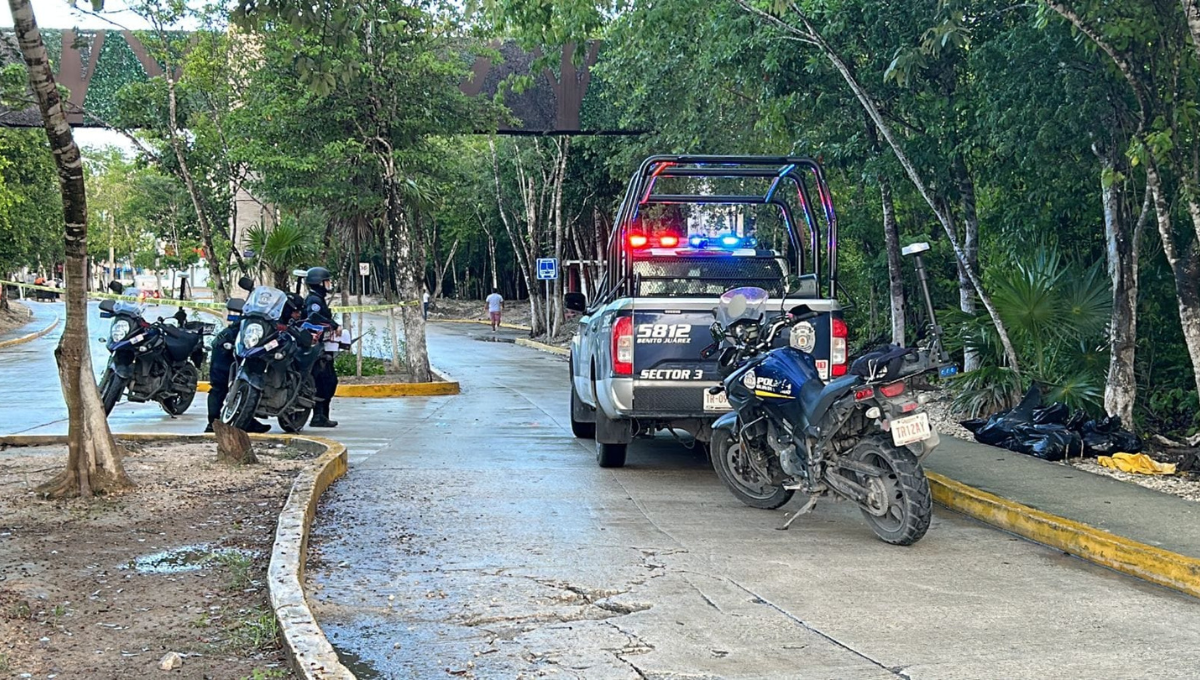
column 495, row 304
column 425, row 304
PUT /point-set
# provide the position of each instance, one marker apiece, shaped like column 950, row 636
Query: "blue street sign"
column 547, row 268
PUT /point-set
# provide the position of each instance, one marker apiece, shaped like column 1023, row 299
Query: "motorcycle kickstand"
column 804, row 510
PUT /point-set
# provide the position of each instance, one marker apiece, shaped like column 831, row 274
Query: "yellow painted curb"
column 383, row 390
column 484, row 322
column 541, row 346
column 307, row 648
column 1147, row 562
column 32, row 336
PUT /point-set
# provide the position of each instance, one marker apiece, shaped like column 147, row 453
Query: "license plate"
column 911, row 429
column 716, row 402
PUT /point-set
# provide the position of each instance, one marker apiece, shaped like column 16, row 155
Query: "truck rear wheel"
column 610, row 455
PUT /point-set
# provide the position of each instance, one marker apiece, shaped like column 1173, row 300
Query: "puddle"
column 361, row 668
column 178, row 560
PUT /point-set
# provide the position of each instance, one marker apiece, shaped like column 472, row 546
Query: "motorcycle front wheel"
column 111, row 388
column 730, row 461
column 240, row 405
column 901, row 504
column 295, row 421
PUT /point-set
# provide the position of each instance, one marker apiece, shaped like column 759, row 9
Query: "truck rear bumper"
column 661, row 399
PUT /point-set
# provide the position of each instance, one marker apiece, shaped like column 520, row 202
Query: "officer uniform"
column 325, row 378
column 219, row 367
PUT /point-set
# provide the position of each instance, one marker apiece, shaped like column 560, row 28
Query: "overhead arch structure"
column 94, row 65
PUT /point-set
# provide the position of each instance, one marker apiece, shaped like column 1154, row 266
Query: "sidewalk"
column 1127, row 510
column 43, row 315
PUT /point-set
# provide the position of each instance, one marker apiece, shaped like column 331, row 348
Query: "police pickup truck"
column 690, row 228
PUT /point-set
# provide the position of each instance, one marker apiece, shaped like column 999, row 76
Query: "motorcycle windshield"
column 131, row 308
column 266, row 301
column 737, row 304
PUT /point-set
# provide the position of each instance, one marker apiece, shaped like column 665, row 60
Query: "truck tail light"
column 892, row 390
column 638, row 240
column 622, row 346
column 837, row 346
column 668, row 241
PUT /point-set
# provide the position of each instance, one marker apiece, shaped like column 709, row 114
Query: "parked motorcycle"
column 150, row 361
column 860, row 437
column 275, row 355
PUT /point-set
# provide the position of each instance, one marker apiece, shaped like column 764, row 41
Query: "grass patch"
column 5, row 664
column 239, row 566
column 257, row 630
column 266, row 674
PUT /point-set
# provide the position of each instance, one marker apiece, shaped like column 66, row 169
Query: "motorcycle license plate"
column 911, row 429
column 716, row 402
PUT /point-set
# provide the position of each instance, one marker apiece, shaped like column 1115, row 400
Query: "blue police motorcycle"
column 860, row 436
column 275, row 354
column 156, row 361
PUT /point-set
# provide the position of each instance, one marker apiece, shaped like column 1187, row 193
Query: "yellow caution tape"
column 195, row 304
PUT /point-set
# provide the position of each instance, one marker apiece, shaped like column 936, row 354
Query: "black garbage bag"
column 973, row 424
column 1104, row 437
column 1051, row 441
column 1056, row 414
column 998, row 430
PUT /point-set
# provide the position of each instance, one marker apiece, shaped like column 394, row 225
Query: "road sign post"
column 547, row 270
column 364, row 270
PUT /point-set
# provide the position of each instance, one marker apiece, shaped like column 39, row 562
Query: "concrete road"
column 483, row 541
column 474, row 537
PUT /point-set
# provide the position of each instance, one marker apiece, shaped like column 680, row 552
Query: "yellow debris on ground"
column 1138, row 463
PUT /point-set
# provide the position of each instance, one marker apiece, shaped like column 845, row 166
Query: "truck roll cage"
column 793, row 169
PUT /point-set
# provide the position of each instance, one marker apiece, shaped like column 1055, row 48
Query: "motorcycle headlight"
column 803, row 337
column 119, row 329
column 251, row 334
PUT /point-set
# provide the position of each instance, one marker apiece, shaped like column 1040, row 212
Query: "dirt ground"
column 107, row 588
column 15, row 316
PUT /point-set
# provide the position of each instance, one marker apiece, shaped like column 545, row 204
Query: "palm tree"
column 286, row 246
column 1057, row 315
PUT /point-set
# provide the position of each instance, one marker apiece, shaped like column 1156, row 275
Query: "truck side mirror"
column 576, row 302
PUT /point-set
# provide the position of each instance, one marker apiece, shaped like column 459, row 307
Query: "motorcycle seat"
column 180, row 343
column 817, row 398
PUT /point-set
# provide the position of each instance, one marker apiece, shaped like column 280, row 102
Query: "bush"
column 345, row 363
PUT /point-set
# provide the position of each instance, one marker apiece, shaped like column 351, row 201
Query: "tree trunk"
column 970, row 221
column 1191, row 9
column 410, row 269
column 891, row 239
column 1122, row 245
column 93, row 459
column 1185, row 267
column 220, row 290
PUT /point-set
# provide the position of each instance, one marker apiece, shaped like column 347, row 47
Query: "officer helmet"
column 317, row 276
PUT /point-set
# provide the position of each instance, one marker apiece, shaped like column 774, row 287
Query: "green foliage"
column 290, row 244
column 1056, row 314
column 346, row 363
column 30, row 208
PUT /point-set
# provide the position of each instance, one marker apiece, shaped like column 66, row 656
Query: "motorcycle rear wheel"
column 112, row 386
column 740, row 478
column 181, row 401
column 295, row 421
column 903, row 486
column 240, row 405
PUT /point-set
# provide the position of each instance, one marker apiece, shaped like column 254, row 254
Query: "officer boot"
column 321, row 415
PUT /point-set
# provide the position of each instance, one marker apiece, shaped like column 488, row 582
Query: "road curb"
column 445, row 387
column 1163, row 567
column 543, row 347
column 485, row 322
column 31, row 337
column 308, row 650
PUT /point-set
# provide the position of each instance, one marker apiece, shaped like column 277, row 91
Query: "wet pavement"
column 483, row 541
column 474, row 537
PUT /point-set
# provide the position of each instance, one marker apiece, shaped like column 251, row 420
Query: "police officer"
column 219, row 367
column 317, row 311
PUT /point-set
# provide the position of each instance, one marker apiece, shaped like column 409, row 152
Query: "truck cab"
column 690, row 228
